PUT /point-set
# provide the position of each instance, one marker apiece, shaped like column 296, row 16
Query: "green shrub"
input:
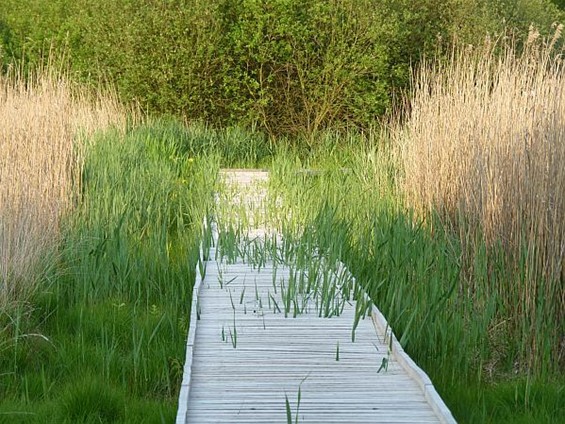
column 298, row 67
column 560, row 4
column 283, row 66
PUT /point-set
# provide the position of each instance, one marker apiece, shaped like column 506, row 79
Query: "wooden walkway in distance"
column 248, row 363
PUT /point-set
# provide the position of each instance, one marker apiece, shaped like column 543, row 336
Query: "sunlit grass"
column 41, row 119
column 484, row 149
column 113, row 320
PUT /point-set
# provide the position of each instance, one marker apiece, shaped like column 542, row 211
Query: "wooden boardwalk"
column 250, row 362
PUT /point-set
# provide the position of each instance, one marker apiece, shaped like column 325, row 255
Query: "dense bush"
column 284, row 66
column 301, row 66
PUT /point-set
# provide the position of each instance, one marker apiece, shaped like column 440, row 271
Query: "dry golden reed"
column 485, row 148
column 40, row 119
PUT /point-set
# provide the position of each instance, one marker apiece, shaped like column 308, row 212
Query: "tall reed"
column 41, row 115
column 485, row 149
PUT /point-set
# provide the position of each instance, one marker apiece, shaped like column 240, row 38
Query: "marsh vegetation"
column 450, row 216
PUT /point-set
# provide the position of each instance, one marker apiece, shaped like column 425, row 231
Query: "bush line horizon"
column 319, row 65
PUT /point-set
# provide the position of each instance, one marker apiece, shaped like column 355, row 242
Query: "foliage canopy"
column 286, row 67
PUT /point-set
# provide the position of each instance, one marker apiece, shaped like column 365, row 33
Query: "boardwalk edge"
column 187, row 373
column 426, row 385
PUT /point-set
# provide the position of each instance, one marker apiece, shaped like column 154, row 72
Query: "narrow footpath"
column 256, row 354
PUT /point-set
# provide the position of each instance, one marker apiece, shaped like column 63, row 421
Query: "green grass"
column 103, row 339
column 232, row 146
column 110, row 322
column 449, row 314
column 511, row 401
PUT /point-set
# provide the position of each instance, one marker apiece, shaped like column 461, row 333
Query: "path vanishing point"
column 248, row 363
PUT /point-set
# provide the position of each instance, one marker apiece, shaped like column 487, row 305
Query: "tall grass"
column 232, row 146
column 352, row 209
column 484, row 148
column 115, row 315
column 40, row 118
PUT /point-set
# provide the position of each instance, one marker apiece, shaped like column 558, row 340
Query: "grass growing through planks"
column 288, row 408
column 250, row 230
column 352, row 209
column 115, row 313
